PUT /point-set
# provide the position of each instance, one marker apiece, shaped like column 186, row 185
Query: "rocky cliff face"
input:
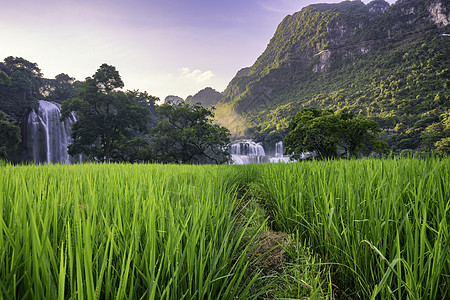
column 312, row 46
column 440, row 15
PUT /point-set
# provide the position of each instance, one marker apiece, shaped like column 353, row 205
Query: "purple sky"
column 164, row 47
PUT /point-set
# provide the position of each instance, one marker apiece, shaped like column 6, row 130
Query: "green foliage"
column 310, row 28
column 435, row 136
column 105, row 117
column 147, row 101
column 381, row 225
column 110, row 231
column 135, row 149
column 61, row 88
column 9, row 136
column 400, row 128
column 380, row 85
column 391, row 67
column 187, row 134
column 324, row 132
column 364, row 229
column 4, row 78
column 359, row 134
column 17, row 98
column 107, row 79
column 443, row 146
column 313, row 130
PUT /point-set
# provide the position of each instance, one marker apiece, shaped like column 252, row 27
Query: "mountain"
column 171, row 99
column 206, row 97
column 390, row 63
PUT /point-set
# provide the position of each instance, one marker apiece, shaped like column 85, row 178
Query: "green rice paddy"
column 357, row 229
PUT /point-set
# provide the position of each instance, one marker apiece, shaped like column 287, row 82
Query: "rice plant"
column 175, row 232
column 383, row 225
column 122, row 232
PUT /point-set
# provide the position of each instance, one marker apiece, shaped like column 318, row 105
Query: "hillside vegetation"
column 390, row 63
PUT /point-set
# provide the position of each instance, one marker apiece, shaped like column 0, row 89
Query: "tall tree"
column 187, row 134
column 9, row 135
column 17, row 98
column 106, row 117
column 148, row 101
column 359, row 134
column 137, row 148
column 313, row 129
column 61, row 88
column 324, row 132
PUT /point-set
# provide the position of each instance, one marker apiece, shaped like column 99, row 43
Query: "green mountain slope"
column 390, row 63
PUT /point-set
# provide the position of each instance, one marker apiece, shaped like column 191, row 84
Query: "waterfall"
column 247, row 147
column 47, row 137
column 279, row 149
column 249, row 152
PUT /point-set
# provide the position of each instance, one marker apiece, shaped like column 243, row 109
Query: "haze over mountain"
column 207, row 97
column 388, row 62
column 171, row 99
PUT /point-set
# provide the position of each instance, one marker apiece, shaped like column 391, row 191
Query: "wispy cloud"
column 270, row 8
column 197, row 75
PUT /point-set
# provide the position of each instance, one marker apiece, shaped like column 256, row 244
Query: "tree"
column 9, row 135
column 106, row 117
column 148, row 101
column 107, row 79
column 187, row 134
column 432, row 134
column 136, row 148
column 443, row 146
column 133, row 150
column 324, row 132
column 437, row 135
column 359, row 134
column 17, row 98
column 4, row 78
column 313, row 129
column 61, row 88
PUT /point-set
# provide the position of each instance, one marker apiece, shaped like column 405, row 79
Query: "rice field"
column 359, row 229
column 382, row 225
column 121, row 232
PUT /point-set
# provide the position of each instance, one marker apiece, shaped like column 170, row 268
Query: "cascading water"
column 279, row 149
column 247, row 147
column 47, row 137
column 249, row 152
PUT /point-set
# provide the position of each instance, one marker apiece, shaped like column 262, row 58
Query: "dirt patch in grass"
column 268, row 251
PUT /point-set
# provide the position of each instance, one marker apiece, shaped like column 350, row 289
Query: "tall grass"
column 382, row 224
column 174, row 232
column 122, row 232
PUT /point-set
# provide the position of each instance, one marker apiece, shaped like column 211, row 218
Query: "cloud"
column 281, row 7
column 197, row 75
column 270, row 8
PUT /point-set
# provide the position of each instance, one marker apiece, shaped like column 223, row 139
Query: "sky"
column 164, row 47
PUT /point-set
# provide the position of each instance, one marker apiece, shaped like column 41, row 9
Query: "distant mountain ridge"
column 172, row 99
column 207, row 97
column 389, row 62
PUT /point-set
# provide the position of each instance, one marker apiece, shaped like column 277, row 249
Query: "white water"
column 47, row 137
column 279, row 149
column 249, row 152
